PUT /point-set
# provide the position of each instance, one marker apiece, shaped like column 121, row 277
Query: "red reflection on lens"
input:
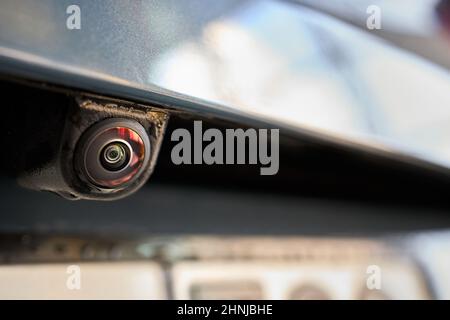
column 137, row 155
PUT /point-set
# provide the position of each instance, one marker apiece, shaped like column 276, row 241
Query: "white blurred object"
column 114, row 280
column 433, row 252
column 286, row 280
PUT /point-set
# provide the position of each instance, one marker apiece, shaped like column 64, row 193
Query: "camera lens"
column 115, row 156
column 113, row 153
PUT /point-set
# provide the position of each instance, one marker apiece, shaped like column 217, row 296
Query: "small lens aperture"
column 115, row 156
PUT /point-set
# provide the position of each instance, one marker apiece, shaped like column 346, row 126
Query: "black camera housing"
column 51, row 145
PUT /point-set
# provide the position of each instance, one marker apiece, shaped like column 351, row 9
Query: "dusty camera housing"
column 75, row 169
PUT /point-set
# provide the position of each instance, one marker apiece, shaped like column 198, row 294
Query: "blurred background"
column 311, row 66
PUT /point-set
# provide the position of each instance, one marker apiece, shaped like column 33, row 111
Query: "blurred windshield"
column 311, row 70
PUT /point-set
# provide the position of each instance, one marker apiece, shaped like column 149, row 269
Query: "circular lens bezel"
column 127, row 131
column 120, row 165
